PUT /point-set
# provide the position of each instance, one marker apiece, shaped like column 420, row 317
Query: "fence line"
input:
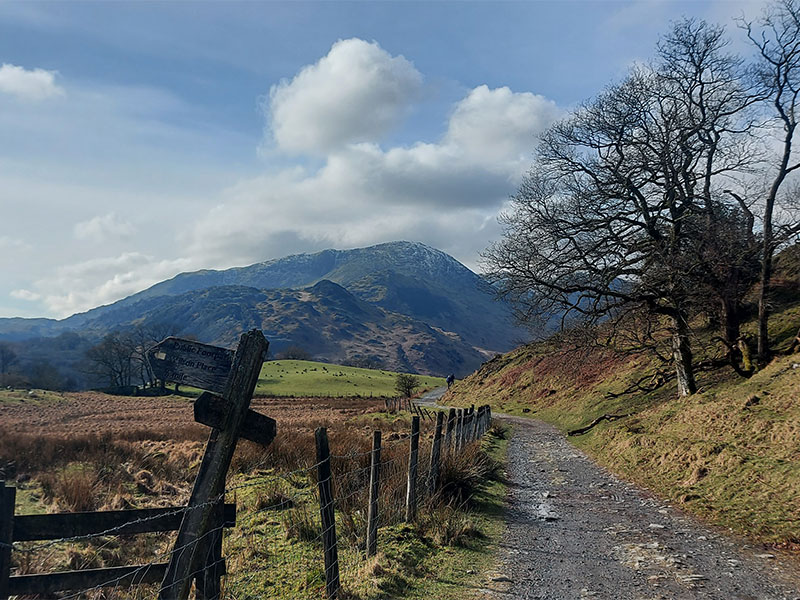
column 389, row 487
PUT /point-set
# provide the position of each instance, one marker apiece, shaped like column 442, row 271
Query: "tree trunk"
column 682, row 355
column 763, row 314
column 731, row 320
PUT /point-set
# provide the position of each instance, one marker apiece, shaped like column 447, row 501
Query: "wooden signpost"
column 234, row 376
column 191, row 363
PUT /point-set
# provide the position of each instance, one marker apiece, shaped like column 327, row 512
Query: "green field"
column 307, row 378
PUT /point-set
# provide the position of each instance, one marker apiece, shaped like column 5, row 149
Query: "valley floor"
column 576, row 531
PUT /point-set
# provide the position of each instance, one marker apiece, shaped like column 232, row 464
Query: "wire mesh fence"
column 296, row 526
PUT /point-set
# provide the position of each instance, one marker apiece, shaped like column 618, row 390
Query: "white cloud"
column 102, row 228
column 500, row 125
column 84, row 285
column 34, row 84
column 356, row 93
column 23, row 294
column 439, row 193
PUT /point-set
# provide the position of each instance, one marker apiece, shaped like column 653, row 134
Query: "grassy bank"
column 308, row 378
column 729, row 453
column 447, row 550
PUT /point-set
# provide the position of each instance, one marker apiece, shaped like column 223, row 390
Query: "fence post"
column 411, row 490
column 374, row 490
column 459, row 423
column 208, row 583
column 436, row 452
column 476, row 425
column 8, row 496
column 325, row 487
column 451, row 423
column 209, row 485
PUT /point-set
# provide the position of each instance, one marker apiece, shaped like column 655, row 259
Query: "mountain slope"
column 405, row 277
column 324, row 319
column 410, row 306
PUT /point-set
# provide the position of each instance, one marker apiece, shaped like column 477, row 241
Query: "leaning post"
column 448, row 436
column 459, row 425
column 209, row 486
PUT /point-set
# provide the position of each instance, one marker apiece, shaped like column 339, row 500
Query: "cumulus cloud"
column 103, row 227
column 356, row 93
column 23, row 294
column 440, row 193
column 33, row 84
column 499, row 125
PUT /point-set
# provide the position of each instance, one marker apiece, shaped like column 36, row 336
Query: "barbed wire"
column 350, row 479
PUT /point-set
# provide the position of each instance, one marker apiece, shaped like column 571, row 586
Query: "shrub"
column 497, row 430
column 405, row 384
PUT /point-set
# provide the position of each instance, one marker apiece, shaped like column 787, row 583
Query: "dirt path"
column 575, row 531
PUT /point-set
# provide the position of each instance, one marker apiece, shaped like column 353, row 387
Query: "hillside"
column 408, row 278
column 405, row 305
column 730, row 453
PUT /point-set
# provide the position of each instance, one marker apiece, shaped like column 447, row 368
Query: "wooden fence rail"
column 453, row 431
column 88, row 525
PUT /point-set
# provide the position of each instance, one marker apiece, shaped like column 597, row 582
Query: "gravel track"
column 576, row 531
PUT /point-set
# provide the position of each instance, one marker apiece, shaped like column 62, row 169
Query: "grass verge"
column 730, row 453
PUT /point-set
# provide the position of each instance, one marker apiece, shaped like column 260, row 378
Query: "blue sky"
column 144, row 139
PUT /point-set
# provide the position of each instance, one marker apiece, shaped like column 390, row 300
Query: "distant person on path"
column 450, row 379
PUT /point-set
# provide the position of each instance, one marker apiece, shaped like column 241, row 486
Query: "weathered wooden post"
column 436, row 452
column 448, row 436
column 204, row 366
column 411, row 489
column 374, row 491
column 325, row 486
column 476, row 424
column 8, row 498
column 209, row 581
column 459, row 425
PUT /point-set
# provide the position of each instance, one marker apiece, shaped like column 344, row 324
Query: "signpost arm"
column 210, row 482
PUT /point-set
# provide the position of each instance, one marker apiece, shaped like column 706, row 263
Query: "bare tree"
column 601, row 225
column 112, row 360
column 776, row 37
column 145, row 337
